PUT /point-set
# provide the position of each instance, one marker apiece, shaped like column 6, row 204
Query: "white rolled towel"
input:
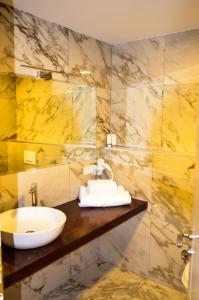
column 101, row 186
column 119, row 198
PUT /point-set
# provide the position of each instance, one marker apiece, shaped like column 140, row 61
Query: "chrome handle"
column 180, row 240
column 187, row 235
column 192, row 236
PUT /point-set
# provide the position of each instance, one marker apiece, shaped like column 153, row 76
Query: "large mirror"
column 44, row 121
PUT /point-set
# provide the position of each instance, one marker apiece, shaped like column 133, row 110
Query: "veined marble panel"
column 119, row 118
column 179, row 117
column 182, row 57
column 166, row 264
column 7, row 61
column 53, row 185
column 55, row 112
column 45, row 280
column 103, row 116
column 84, row 114
column 138, row 63
column 40, row 43
column 8, row 192
column 136, row 180
column 88, row 54
column 171, row 211
column 83, row 258
column 79, row 152
column 3, row 158
column 127, row 246
column 137, row 120
column 133, row 157
column 64, row 271
column 132, row 170
column 8, row 127
column 113, row 283
column 7, row 87
column 172, row 190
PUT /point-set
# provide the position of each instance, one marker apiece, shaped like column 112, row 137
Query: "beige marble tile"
column 42, row 282
column 55, row 112
column 8, row 127
column 3, row 158
column 88, row 54
column 79, row 152
column 138, row 63
column 8, row 192
column 119, row 119
column 179, row 117
column 46, row 280
column 82, row 258
column 166, row 264
column 103, row 111
column 116, row 284
column 7, row 87
column 40, row 43
column 84, row 115
column 172, row 191
column 7, row 62
column 171, row 212
column 127, row 246
column 134, row 157
column 182, row 57
column 137, row 120
column 53, row 185
column 136, row 180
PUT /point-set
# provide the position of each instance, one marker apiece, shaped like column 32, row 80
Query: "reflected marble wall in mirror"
column 54, row 119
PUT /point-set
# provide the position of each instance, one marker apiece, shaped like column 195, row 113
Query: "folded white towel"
column 121, row 197
column 101, row 186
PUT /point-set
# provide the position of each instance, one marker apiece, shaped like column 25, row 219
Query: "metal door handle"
column 186, row 234
column 185, row 254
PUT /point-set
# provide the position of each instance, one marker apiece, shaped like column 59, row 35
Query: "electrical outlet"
column 30, row 157
column 89, row 170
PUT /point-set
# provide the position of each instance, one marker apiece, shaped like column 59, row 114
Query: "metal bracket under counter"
column 82, row 226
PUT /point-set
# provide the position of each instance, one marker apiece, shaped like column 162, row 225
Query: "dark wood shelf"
column 82, row 226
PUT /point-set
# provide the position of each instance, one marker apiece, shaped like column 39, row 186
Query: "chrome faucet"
column 34, row 194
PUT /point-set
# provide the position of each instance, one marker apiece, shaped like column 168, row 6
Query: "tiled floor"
column 114, row 284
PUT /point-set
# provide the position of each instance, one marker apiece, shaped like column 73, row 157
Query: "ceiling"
column 117, row 21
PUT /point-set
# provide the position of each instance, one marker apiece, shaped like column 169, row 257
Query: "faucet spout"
column 34, row 194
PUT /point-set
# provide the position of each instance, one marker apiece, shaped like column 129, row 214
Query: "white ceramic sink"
column 31, row 227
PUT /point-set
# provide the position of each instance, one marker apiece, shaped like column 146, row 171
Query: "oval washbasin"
column 31, row 227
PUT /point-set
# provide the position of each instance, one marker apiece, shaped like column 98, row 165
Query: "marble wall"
column 35, row 42
column 7, row 108
column 55, row 112
column 147, row 93
column 154, row 101
column 32, row 41
column 68, row 270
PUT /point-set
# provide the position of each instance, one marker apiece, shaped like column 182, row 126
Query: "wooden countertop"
column 82, row 225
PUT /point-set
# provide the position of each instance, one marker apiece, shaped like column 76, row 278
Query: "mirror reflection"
column 49, row 118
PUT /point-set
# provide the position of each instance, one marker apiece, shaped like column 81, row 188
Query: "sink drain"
column 29, row 231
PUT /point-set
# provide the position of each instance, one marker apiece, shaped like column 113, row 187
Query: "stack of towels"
column 103, row 193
